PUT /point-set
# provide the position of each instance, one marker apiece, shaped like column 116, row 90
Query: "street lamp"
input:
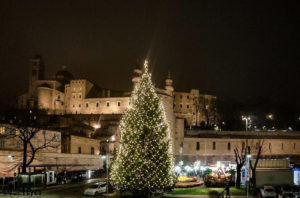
column 104, row 157
column 248, row 176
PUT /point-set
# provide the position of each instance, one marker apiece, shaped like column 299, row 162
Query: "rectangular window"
column 119, row 103
column 2, row 130
column 73, row 106
column 198, row 146
column 270, row 146
column 86, row 105
column 79, row 105
column 180, row 96
column 79, row 150
column 80, row 95
column 243, row 145
column 187, row 106
column 97, row 104
column 2, row 144
column 107, row 103
column 180, row 105
column 188, row 97
column 228, row 146
column 214, row 146
column 181, row 147
column 281, row 146
column 294, row 146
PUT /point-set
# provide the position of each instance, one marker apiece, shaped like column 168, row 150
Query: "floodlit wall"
column 65, row 161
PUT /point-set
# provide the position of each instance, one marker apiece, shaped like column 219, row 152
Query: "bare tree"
column 255, row 149
column 240, row 159
column 25, row 129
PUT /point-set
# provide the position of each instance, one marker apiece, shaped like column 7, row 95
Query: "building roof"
column 99, row 92
column 242, row 134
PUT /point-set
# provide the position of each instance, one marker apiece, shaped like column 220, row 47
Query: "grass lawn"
column 207, row 191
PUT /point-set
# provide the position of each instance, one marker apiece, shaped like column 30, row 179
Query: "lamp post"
column 248, row 160
column 104, row 157
column 247, row 119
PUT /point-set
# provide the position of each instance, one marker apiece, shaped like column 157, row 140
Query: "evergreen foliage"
column 144, row 162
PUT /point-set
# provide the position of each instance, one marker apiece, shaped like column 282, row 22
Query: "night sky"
column 234, row 49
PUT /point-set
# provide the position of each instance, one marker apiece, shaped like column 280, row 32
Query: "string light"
column 144, row 161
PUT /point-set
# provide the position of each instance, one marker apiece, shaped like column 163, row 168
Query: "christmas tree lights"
column 144, row 162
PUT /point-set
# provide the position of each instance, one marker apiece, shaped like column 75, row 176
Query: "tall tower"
column 169, row 84
column 36, row 72
column 137, row 73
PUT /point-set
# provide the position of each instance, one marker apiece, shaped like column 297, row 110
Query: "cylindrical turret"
column 137, row 73
column 169, row 84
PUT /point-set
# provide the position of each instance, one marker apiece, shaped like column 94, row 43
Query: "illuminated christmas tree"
column 144, row 162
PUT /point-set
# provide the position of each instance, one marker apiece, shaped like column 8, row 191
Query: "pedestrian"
column 227, row 189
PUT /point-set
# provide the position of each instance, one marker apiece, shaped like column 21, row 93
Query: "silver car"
column 95, row 189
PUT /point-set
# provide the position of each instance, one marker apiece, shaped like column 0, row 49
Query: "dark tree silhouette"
column 240, row 159
column 24, row 127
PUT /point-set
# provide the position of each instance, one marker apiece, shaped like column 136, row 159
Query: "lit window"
column 107, row 103
column 17, row 132
column 119, row 103
column 97, row 104
column 2, row 130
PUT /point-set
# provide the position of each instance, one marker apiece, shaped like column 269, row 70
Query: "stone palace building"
column 85, row 109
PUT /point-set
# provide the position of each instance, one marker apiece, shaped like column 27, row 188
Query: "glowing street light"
column 104, row 157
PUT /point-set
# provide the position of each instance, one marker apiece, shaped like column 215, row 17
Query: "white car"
column 268, row 191
column 95, row 189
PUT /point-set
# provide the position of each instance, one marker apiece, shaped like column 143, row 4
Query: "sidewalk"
column 70, row 185
column 203, row 196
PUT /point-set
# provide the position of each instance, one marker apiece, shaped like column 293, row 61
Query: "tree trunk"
column 238, row 177
column 254, row 181
column 24, row 163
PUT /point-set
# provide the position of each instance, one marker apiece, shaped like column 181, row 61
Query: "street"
column 71, row 190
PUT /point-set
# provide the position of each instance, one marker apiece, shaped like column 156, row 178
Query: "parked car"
column 287, row 191
column 268, row 191
column 296, row 191
column 95, row 189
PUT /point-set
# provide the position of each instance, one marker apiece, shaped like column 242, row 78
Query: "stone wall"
column 60, row 161
column 85, row 145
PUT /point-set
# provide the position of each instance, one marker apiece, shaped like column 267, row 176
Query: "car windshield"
column 287, row 188
column 94, row 186
column 269, row 190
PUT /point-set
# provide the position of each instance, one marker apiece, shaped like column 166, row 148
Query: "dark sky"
column 234, row 49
